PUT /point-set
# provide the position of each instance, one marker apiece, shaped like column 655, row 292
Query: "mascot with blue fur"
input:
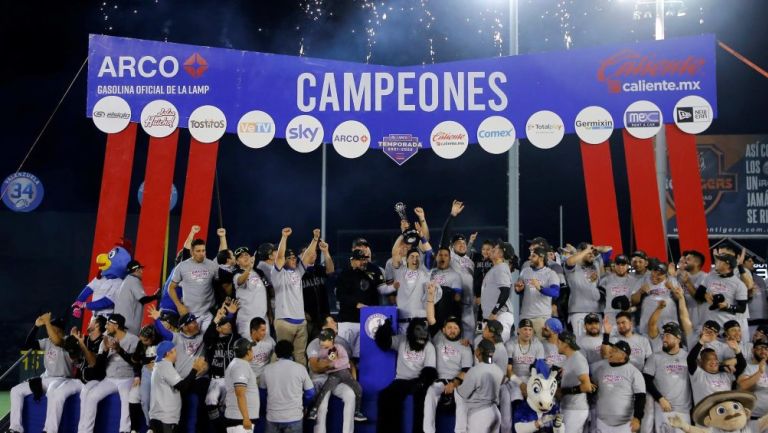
column 104, row 288
column 539, row 411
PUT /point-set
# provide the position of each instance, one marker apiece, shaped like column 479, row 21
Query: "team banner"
column 734, row 178
column 443, row 106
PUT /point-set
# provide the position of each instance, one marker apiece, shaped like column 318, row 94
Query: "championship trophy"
column 410, row 235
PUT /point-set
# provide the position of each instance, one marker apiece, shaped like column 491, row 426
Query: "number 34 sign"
column 22, row 192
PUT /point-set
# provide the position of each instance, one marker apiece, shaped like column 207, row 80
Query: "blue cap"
column 554, row 325
column 163, row 349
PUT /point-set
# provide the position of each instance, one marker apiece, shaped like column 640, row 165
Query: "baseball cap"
column 117, row 319
column 673, row 328
column 452, row 319
column 506, row 247
column 360, row 242
column 525, row 323
column 711, row 324
column 716, row 301
column 458, row 237
column 242, row 250
column 162, row 349
column 730, row 324
column 540, row 251
column 265, row 250
column 659, row 266
column 539, row 240
column 641, row 254
column 623, row 346
column 241, row 347
column 58, row 323
column 763, row 329
column 289, row 253
column 495, row 327
column 187, row 319
column 621, row 260
column 592, row 318
column 327, row 334
column 760, row 342
column 226, row 319
column 358, row 255
column 621, row 303
column 568, row 338
column 731, row 260
column 133, row 266
column 554, row 325
column 171, row 317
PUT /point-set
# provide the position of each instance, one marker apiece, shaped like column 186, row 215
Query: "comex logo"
column 195, row 65
column 502, row 133
column 642, row 119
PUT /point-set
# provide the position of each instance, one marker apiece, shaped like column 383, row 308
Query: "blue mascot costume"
column 539, row 412
column 105, row 287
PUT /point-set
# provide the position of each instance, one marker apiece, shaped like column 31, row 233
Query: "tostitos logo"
column 629, row 66
column 372, row 324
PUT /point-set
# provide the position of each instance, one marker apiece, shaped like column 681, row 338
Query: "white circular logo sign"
column 207, row 124
column 304, row 133
column 449, row 139
column 256, row 129
column 593, row 125
column 111, row 114
column 496, row 135
column 351, row 139
column 643, row 119
column 159, row 118
column 372, row 324
column 693, row 114
column 545, row 129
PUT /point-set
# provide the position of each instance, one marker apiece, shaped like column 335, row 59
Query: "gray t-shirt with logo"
column 523, row 356
column 165, row 400
column 196, row 280
column 585, row 298
column 536, row 304
column 452, row 356
column 760, row 390
column 481, row 385
column 573, row 367
column 499, row 276
column 187, row 349
column 615, row 286
column 704, row 384
column 731, row 288
column 411, row 362
column 262, row 354
column 616, row 391
column 239, row 373
column 285, row 382
column 289, row 298
column 671, row 378
column 57, row 362
column 640, row 345
column 117, row 367
column 128, row 304
column 314, row 351
column 252, row 295
column 590, row 347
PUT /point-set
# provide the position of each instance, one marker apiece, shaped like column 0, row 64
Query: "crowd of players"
column 636, row 341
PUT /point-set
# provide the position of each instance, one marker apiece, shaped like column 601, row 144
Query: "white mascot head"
column 541, row 387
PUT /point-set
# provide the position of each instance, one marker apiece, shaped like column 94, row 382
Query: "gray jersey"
column 616, row 389
column 585, row 298
column 641, row 348
column 731, row 288
column 267, row 269
column 615, row 286
column 758, row 307
column 289, row 297
column 704, row 384
column 573, row 367
column 481, row 386
column 187, row 349
column 252, row 295
column 165, row 400
column 499, row 276
column 451, row 279
column 285, row 382
column 128, row 304
column 315, row 351
column 412, row 293
column 671, row 378
column 411, row 362
column 694, row 307
column 760, row 390
column 637, row 280
column 118, row 367
column 590, row 348
column 522, row 356
column 105, row 288
column 535, row 303
column 451, row 356
column 239, row 373
column 553, row 356
column 56, row 361
column 262, row 353
column 196, row 280
column 465, row 269
column 659, row 292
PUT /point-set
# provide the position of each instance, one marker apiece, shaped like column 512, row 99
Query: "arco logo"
column 195, row 65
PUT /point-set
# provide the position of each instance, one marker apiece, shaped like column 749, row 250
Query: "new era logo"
column 195, row 65
column 685, row 114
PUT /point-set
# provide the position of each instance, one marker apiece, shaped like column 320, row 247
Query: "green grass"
column 5, row 403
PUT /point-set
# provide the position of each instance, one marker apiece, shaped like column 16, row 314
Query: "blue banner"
column 395, row 100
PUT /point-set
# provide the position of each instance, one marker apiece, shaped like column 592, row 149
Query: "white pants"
column 90, row 396
column 22, row 390
column 574, row 419
column 577, row 323
column 507, row 320
column 461, row 414
column 217, row 391
column 505, row 408
column 57, row 395
column 485, row 420
column 605, row 428
column 236, row 429
column 648, row 421
column 350, row 331
column 661, row 420
column 347, row 395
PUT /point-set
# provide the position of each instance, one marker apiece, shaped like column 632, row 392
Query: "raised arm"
column 653, row 322
column 280, row 259
column 682, row 310
column 191, row 236
column 329, row 266
column 422, row 222
column 430, row 307
column 53, row 334
column 310, row 254
column 397, row 258
column 222, row 234
column 445, row 236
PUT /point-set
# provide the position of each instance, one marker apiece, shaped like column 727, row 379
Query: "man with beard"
column 592, row 340
column 690, row 276
column 219, row 340
column 639, row 344
column 685, row 325
column 449, row 281
column 615, row 284
column 411, row 281
column 415, row 373
column 582, row 274
column 314, row 285
column 552, row 328
column 639, row 262
column 707, row 376
column 755, row 380
column 495, row 298
column 196, row 276
column 479, row 392
column 725, row 294
column 574, row 385
column 453, row 360
column 357, row 286
column 620, row 392
column 658, row 288
column 523, row 352
column 667, row 380
column 250, row 290
column 539, row 285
